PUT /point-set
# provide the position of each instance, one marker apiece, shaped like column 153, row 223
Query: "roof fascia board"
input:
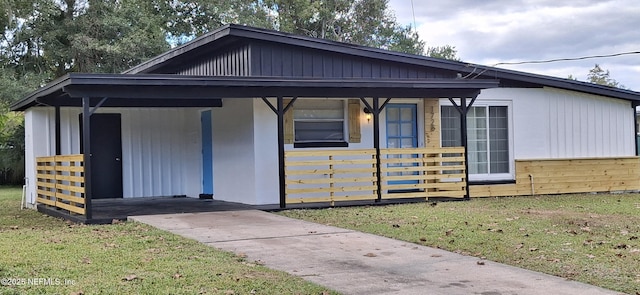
column 48, row 89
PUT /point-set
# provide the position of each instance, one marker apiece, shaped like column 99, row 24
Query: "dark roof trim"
column 357, row 50
column 150, row 88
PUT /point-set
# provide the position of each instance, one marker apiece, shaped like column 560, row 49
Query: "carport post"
column 57, row 131
column 281, row 165
column 280, row 109
column 86, row 144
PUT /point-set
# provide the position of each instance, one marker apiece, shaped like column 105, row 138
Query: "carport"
column 65, row 181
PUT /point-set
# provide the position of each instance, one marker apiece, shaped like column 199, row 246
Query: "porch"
column 61, row 183
column 317, row 178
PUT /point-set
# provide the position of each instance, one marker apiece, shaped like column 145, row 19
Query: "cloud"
column 487, row 32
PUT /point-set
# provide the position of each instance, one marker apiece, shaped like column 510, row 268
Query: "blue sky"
column 492, row 31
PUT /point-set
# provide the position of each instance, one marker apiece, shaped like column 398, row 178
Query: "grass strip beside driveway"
column 45, row 255
column 589, row 238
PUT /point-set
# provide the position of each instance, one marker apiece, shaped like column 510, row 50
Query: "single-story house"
column 263, row 117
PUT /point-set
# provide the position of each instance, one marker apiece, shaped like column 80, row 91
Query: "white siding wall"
column 552, row 123
column 161, row 149
column 37, row 144
column 234, row 159
column 265, row 125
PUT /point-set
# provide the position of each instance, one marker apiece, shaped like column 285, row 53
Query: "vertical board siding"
column 281, row 60
column 550, row 123
column 160, row 148
column 589, row 126
column 231, row 62
column 562, row 176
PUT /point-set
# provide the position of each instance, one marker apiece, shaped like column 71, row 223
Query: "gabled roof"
column 232, row 33
column 154, row 82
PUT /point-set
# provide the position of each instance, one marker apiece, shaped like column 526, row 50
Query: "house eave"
column 150, row 89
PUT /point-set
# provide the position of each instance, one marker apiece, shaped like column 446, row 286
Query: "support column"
column 281, row 164
column 280, row 109
column 463, row 137
column 86, row 145
column 376, row 145
column 57, row 131
column 463, row 108
column 375, row 112
column 634, row 105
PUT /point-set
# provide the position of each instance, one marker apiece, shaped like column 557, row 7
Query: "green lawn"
column 589, row 238
column 125, row 258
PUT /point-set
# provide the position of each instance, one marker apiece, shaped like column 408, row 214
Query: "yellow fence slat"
column 327, row 153
column 70, row 178
column 336, row 199
column 69, row 158
column 46, row 201
column 292, row 172
column 46, row 193
column 405, row 195
column 331, row 180
column 450, row 194
column 70, row 169
column 46, row 184
column 72, row 208
column 74, row 199
column 70, row 188
column 333, row 189
column 332, row 162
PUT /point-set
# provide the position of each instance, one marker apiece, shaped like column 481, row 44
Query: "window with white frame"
column 319, row 120
column 489, row 149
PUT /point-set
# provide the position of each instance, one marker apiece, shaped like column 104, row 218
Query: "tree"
column 362, row 22
column 57, row 37
column 446, row 52
column 599, row 76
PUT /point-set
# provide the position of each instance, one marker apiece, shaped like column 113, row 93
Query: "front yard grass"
column 45, row 255
column 589, row 238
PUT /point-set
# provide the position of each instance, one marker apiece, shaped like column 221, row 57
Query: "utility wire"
column 566, row 59
column 413, row 11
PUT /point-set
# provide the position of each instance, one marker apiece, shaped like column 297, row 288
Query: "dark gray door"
column 106, row 155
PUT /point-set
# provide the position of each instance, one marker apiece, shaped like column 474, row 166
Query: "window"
column 487, row 137
column 319, row 121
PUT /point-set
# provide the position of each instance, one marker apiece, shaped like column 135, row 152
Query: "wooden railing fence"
column 60, row 182
column 348, row 175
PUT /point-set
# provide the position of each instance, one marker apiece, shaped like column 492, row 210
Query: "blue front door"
column 207, row 153
column 402, row 132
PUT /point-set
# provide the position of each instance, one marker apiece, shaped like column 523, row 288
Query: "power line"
column 413, row 11
column 566, row 59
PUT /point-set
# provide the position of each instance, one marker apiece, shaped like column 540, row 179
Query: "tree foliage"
column 45, row 39
column 363, row 22
column 597, row 75
column 446, row 52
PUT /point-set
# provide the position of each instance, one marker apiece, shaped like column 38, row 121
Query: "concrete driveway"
column 352, row 262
